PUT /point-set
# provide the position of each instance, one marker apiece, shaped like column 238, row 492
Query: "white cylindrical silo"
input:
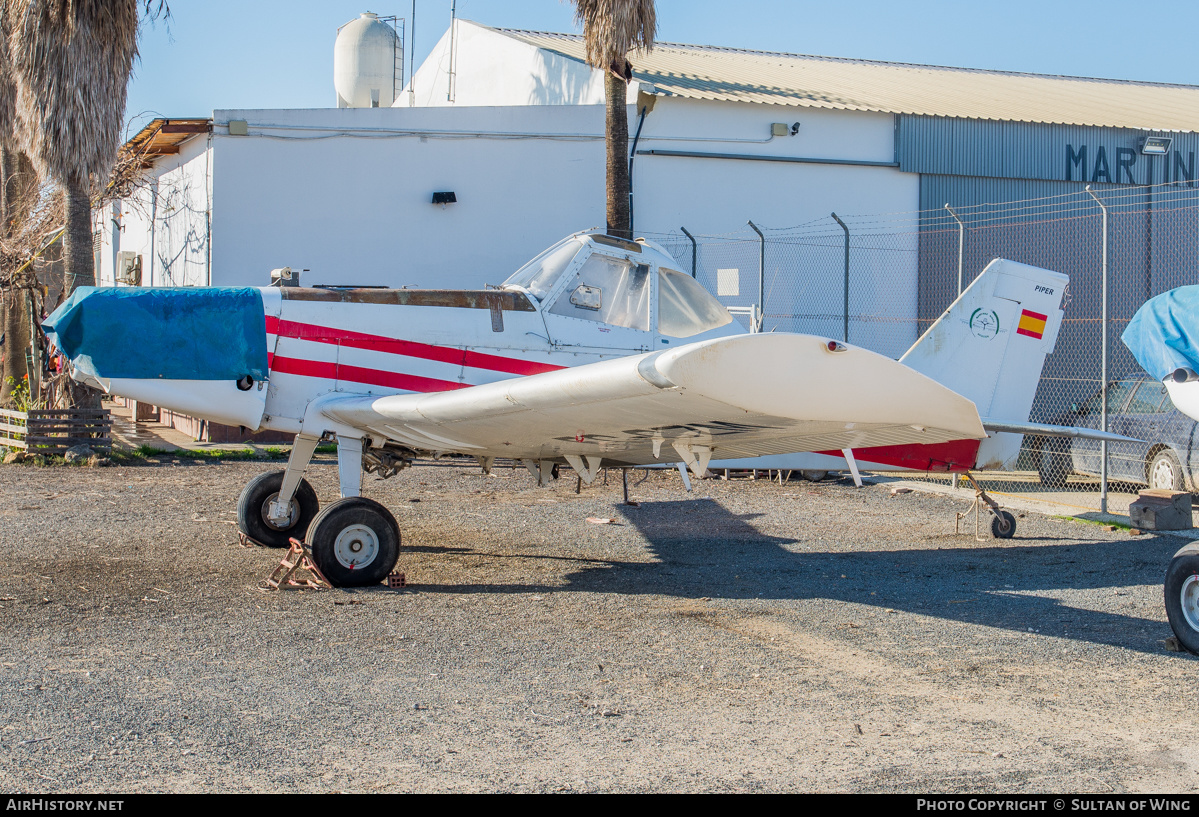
column 365, row 57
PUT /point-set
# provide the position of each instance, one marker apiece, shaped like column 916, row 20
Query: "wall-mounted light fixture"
column 444, row 198
column 1155, row 145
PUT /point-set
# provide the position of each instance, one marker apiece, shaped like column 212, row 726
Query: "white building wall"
column 492, row 69
column 346, row 194
column 181, row 212
column 165, row 221
column 718, row 196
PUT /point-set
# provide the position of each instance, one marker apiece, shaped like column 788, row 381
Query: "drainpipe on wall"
column 632, row 153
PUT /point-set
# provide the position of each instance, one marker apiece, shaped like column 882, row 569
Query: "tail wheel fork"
column 1003, row 523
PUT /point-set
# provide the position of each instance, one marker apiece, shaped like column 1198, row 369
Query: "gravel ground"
column 748, row 636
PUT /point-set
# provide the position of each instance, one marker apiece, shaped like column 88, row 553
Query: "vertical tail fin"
column 990, row 346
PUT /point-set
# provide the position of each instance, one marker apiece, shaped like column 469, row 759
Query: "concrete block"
column 1161, row 509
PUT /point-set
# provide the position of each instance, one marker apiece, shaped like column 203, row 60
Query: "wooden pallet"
column 53, row 431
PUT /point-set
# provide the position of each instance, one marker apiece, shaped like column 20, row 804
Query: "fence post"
column 845, row 330
column 761, row 277
column 1103, row 364
column 961, row 243
column 694, row 250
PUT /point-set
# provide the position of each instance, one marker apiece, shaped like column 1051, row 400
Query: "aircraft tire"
column 1003, row 525
column 1182, row 597
column 355, row 542
column 254, row 504
column 813, row 476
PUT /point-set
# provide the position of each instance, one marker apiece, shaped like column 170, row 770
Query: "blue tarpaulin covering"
column 1164, row 334
column 174, row 334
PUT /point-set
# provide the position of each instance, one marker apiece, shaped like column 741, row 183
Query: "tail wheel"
column 1003, row 525
column 254, row 509
column 355, row 542
column 1182, row 597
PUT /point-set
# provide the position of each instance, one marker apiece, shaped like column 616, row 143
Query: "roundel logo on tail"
column 984, row 323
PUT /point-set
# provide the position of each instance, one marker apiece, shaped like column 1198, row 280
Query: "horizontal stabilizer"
column 1045, row 430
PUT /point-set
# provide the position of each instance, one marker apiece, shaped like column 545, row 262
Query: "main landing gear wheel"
column 1003, row 525
column 1182, row 597
column 254, row 510
column 355, row 542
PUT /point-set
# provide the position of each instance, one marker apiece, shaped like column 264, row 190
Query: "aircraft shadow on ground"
column 701, row 550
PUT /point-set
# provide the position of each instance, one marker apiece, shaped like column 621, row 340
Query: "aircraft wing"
column 731, row 397
column 1046, row 430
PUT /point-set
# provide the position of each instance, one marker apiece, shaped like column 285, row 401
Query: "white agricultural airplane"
column 596, row 353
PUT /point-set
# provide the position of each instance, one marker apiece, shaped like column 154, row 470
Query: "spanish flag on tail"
column 1031, row 324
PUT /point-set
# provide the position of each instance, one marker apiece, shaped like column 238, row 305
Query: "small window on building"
column 685, row 308
column 607, row 290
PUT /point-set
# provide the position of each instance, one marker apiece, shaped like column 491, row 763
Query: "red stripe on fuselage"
column 407, row 348
column 955, row 455
column 358, row 374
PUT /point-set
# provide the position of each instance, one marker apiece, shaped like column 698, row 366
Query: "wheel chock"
column 297, row 558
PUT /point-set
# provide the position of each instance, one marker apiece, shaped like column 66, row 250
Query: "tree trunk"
column 18, row 182
column 16, row 341
column 80, row 271
column 616, row 123
column 78, row 257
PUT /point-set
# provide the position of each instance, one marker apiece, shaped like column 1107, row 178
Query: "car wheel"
column 1053, row 463
column 1165, row 472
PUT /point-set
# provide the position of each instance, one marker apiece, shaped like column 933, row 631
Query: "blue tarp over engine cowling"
column 174, row 334
column 1164, row 334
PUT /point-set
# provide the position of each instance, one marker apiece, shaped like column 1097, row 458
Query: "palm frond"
column 69, row 63
column 613, row 28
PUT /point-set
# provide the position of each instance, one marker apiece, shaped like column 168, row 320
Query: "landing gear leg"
column 278, row 505
column 349, row 465
column 301, row 454
column 1003, row 524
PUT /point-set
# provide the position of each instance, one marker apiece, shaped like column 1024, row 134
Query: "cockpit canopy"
column 611, row 281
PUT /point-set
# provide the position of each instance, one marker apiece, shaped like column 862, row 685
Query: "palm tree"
column 64, row 70
column 70, row 62
column 611, row 29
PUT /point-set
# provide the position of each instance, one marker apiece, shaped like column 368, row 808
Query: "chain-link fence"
column 880, row 281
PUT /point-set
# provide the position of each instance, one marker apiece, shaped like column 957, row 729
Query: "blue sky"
column 274, row 54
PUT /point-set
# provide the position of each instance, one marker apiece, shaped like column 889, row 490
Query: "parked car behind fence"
column 1138, row 407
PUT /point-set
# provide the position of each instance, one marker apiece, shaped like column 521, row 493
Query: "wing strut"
column 853, row 466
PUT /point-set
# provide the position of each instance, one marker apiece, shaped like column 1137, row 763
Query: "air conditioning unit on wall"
column 129, row 269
